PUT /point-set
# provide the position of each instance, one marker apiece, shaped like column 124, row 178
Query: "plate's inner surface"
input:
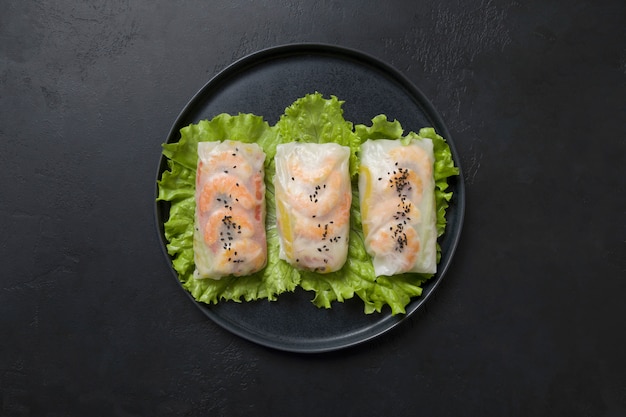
column 264, row 84
column 275, row 79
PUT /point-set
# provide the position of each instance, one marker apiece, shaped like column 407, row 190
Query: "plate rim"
column 388, row 321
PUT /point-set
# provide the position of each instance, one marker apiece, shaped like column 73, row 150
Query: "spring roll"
column 229, row 233
column 397, row 200
column 313, row 197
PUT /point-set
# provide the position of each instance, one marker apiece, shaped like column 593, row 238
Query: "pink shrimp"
column 225, row 225
column 317, row 198
column 413, row 157
column 311, row 174
column 227, row 191
column 397, row 240
column 328, row 228
column 230, row 162
column 241, row 257
column 396, row 208
column 404, row 183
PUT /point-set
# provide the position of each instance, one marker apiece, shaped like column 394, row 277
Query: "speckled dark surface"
column 529, row 319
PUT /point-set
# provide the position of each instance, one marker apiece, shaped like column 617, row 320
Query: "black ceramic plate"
column 266, row 82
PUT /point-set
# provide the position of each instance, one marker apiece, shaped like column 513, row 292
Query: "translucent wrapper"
column 313, row 197
column 397, row 199
column 229, row 230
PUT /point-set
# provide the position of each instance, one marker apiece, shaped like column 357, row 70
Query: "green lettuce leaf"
column 397, row 291
column 314, row 119
column 309, row 119
column 177, row 185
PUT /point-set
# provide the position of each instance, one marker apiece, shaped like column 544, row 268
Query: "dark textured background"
column 528, row 321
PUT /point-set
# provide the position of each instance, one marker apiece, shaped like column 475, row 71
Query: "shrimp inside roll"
column 396, row 191
column 313, row 198
column 229, row 234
